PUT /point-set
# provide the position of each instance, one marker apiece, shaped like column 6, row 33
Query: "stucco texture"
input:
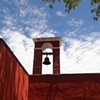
column 13, row 77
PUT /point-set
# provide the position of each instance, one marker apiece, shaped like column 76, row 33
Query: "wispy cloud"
column 71, row 33
column 21, row 46
column 75, row 23
column 24, row 16
column 77, row 55
column 19, row 27
column 61, row 14
column 82, row 55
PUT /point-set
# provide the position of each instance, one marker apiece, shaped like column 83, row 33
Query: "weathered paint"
column 13, row 77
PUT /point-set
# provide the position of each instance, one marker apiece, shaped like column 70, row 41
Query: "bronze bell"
column 46, row 61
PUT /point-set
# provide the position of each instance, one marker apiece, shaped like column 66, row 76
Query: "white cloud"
column 20, row 2
column 39, row 34
column 0, row 36
column 71, row 33
column 23, row 15
column 21, row 46
column 82, row 56
column 60, row 14
column 8, row 21
column 26, row 22
column 74, row 22
column 79, row 56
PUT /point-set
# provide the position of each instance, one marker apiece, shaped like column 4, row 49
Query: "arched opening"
column 47, row 52
column 41, row 45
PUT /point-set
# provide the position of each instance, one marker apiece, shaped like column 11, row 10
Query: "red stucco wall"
column 65, row 87
column 16, row 84
column 13, row 77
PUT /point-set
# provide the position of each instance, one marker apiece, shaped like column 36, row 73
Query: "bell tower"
column 41, row 44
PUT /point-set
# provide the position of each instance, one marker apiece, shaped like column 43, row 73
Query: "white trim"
column 48, row 39
column 50, row 48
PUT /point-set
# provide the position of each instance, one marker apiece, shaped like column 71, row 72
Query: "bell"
column 46, row 61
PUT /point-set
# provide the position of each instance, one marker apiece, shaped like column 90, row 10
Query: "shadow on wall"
column 13, row 77
column 64, row 87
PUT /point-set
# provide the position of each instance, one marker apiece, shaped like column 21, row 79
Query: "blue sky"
column 23, row 20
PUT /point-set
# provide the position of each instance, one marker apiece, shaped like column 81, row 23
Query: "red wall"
column 16, row 84
column 13, row 77
column 65, row 87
